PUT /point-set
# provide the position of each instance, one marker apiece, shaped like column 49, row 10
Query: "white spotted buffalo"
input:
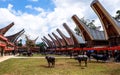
column 50, row 60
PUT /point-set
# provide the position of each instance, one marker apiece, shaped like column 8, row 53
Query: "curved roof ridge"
column 111, row 27
column 13, row 38
column 5, row 29
column 73, row 35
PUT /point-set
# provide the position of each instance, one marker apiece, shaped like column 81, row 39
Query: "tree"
column 20, row 43
column 91, row 24
column 42, row 46
column 77, row 31
column 30, row 44
column 88, row 23
column 117, row 17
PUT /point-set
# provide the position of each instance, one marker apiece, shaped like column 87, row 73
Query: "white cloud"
column 39, row 9
column 47, row 22
column 33, row 0
column 10, row 6
column 29, row 6
column 111, row 6
column 34, row 8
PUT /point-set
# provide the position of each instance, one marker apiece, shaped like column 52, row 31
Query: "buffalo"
column 117, row 58
column 81, row 58
column 100, row 57
column 50, row 60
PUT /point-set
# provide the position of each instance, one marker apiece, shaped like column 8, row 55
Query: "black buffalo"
column 50, row 60
column 81, row 58
column 100, row 57
column 117, row 58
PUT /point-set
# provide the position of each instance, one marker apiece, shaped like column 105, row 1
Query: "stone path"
column 3, row 58
column 39, row 57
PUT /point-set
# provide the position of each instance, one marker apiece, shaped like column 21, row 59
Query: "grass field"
column 66, row 66
column 41, row 55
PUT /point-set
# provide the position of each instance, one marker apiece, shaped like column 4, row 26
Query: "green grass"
column 63, row 67
column 40, row 55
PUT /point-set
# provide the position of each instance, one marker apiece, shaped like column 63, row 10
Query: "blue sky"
column 47, row 5
column 42, row 17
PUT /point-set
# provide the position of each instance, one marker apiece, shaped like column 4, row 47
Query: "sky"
column 42, row 17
